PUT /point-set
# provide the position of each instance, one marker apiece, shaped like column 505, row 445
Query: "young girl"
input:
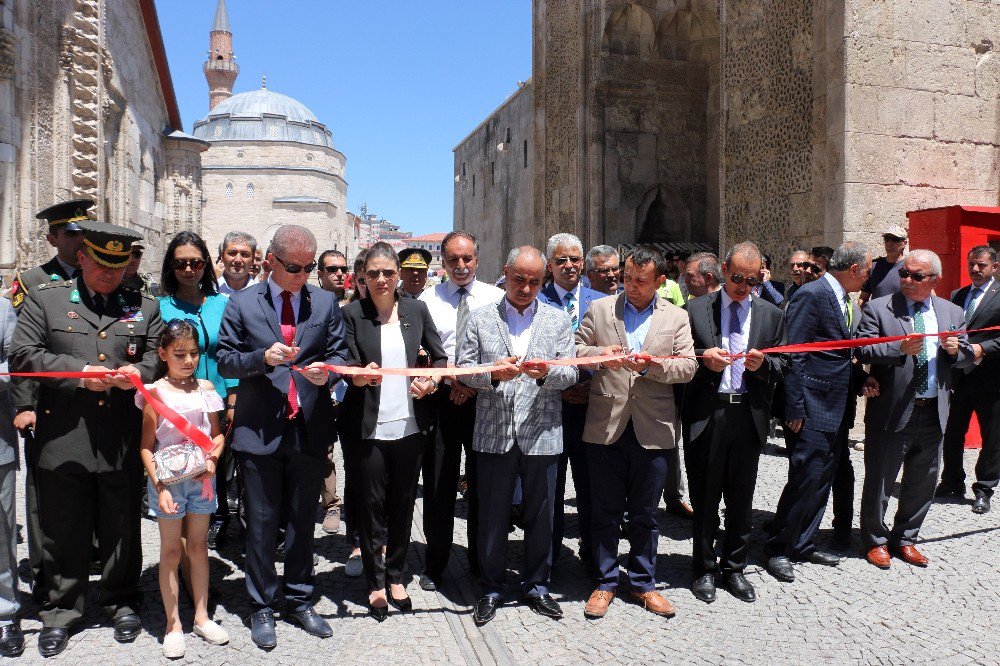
column 181, row 510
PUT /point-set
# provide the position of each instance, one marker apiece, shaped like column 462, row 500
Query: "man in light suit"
column 518, row 429
column 11, row 638
column 282, row 422
column 976, row 388
column 817, row 390
column 565, row 256
column 905, row 420
column 726, row 415
column 631, row 423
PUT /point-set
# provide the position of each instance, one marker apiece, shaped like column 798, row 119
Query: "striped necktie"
column 921, row 371
column 571, row 310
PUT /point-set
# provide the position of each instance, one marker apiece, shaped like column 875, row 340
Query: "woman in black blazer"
column 384, row 423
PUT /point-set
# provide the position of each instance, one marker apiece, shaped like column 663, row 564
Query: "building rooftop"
column 263, row 115
column 431, row 238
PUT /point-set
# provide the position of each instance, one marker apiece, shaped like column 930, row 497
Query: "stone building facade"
column 792, row 122
column 87, row 109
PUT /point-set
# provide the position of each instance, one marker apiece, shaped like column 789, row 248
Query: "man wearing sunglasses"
column 141, row 282
column 906, row 419
column 884, row 279
column 333, row 272
column 818, row 411
column 283, row 423
column 798, row 266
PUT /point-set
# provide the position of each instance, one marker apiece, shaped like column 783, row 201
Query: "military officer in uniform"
column 85, row 456
column 413, row 265
column 66, row 236
column 136, row 280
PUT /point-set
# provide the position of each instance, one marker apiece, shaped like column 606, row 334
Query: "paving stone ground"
column 946, row 614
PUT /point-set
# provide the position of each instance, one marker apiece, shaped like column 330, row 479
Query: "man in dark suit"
column 565, row 257
column 282, row 422
column 976, row 388
column 726, row 414
column 905, row 421
column 85, row 454
column 817, row 388
column 770, row 290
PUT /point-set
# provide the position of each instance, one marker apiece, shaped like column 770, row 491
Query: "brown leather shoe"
column 879, row 556
column 680, row 509
column 654, row 602
column 911, row 555
column 597, row 604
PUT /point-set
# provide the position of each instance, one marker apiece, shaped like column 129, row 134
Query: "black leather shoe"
column 740, row 587
column 428, row 583
column 545, row 605
column 405, row 604
column 819, row 557
column 703, row 588
column 11, row 640
column 982, row 503
column 262, row 629
column 781, row 568
column 52, row 641
column 127, row 627
column 485, row 610
column 949, row 490
column 309, row 619
column 378, row 612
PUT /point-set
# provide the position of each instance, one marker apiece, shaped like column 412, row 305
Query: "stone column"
column 8, row 133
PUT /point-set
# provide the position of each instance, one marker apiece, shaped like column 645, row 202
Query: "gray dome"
column 263, row 115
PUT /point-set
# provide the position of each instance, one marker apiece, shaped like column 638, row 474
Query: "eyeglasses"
column 916, row 277
column 295, row 268
column 387, row 273
column 736, row 278
column 892, row 239
column 801, row 264
column 562, row 260
column 607, row 271
column 181, row 264
column 816, row 268
column 335, row 269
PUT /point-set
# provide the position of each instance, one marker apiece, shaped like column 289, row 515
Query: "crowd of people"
column 587, row 361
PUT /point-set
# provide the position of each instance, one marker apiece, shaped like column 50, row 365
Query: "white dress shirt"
column 519, row 327
column 841, row 293
column 395, row 407
column 725, row 386
column 224, row 287
column 279, row 302
column 442, row 301
column 978, row 296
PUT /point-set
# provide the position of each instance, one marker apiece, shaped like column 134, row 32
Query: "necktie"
column 921, row 371
column 571, row 310
column 970, row 309
column 462, row 319
column 99, row 304
column 737, row 345
column 848, row 311
column 288, row 333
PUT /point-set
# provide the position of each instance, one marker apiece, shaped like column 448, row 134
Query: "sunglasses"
column 607, row 271
column 335, row 269
column 181, row 264
column 736, row 278
column 816, row 268
column 892, row 239
column 387, row 273
column 801, row 264
column 916, row 277
column 572, row 260
column 295, row 268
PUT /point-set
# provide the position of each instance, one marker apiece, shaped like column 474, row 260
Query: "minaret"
column 220, row 69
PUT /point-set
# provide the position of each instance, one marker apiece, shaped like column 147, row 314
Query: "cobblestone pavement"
column 852, row 613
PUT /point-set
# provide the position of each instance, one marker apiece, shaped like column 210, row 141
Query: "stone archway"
column 662, row 217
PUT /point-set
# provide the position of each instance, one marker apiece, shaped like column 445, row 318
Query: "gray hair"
column 516, row 253
column 746, row 249
column 848, row 254
column 562, row 239
column 292, row 237
column 238, row 238
column 706, row 263
column 602, row 252
column 925, row 256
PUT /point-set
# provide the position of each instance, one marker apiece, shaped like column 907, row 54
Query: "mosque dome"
column 263, row 115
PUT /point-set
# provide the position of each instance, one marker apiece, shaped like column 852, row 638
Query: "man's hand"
column 977, row 349
column 753, row 360
column 24, row 420
column 101, row 384
column 506, row 369
column 460, row 392
column 950, row 344
column 870, row 389
column 765, row 275
column 611, row 351
column 794, row 425
column 912, row 345
column 421, row 386
column 121, row 380
column 578, row 394
column 636, row 363
column 535, row 368
column 368, row 380
column 316, row 373
column 716, row 359
column 278, row 354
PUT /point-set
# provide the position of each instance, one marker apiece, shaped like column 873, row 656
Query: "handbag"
column 179, row 462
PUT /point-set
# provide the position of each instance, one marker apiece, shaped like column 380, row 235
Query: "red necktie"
column 288, row 333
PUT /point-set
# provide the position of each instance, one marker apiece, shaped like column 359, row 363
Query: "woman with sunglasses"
column 384, row 423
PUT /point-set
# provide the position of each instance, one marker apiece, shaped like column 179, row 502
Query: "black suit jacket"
column 766, row 330
column 982, row 377
column 359, row 411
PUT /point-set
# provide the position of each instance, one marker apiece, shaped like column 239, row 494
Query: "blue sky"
column 399, row 83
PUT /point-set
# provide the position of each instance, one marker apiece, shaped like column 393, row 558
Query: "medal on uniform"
column 74, row 296
column 72, row 315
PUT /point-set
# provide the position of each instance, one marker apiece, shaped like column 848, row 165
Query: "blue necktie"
column 737, row 345
column 571, row 310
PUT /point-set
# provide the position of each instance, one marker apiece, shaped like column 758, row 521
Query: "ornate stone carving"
column 7, row 52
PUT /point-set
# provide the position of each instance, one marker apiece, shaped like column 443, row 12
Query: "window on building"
column 250, row 190
column 508, row 135
column 525, row 153
column 229, row 190
column 493, row 173
column 473, row 184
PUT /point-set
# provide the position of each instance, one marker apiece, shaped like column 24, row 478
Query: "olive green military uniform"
column 86, row 451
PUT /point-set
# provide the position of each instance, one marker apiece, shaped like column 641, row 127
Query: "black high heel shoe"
column 405, row 604
column 378, row 612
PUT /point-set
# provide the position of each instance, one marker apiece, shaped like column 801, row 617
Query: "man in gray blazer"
column 518, row 428
column 905, row 419
column 11, row 639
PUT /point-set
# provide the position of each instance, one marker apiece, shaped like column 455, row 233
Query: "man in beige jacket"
column 631, row 423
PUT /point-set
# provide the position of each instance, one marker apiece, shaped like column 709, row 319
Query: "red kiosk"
column 951, row 232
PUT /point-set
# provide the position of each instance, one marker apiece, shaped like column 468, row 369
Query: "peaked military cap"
column 67, row 213
column 414, row 257
column 108, row 244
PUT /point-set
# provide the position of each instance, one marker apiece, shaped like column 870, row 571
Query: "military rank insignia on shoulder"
column 57, row 284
